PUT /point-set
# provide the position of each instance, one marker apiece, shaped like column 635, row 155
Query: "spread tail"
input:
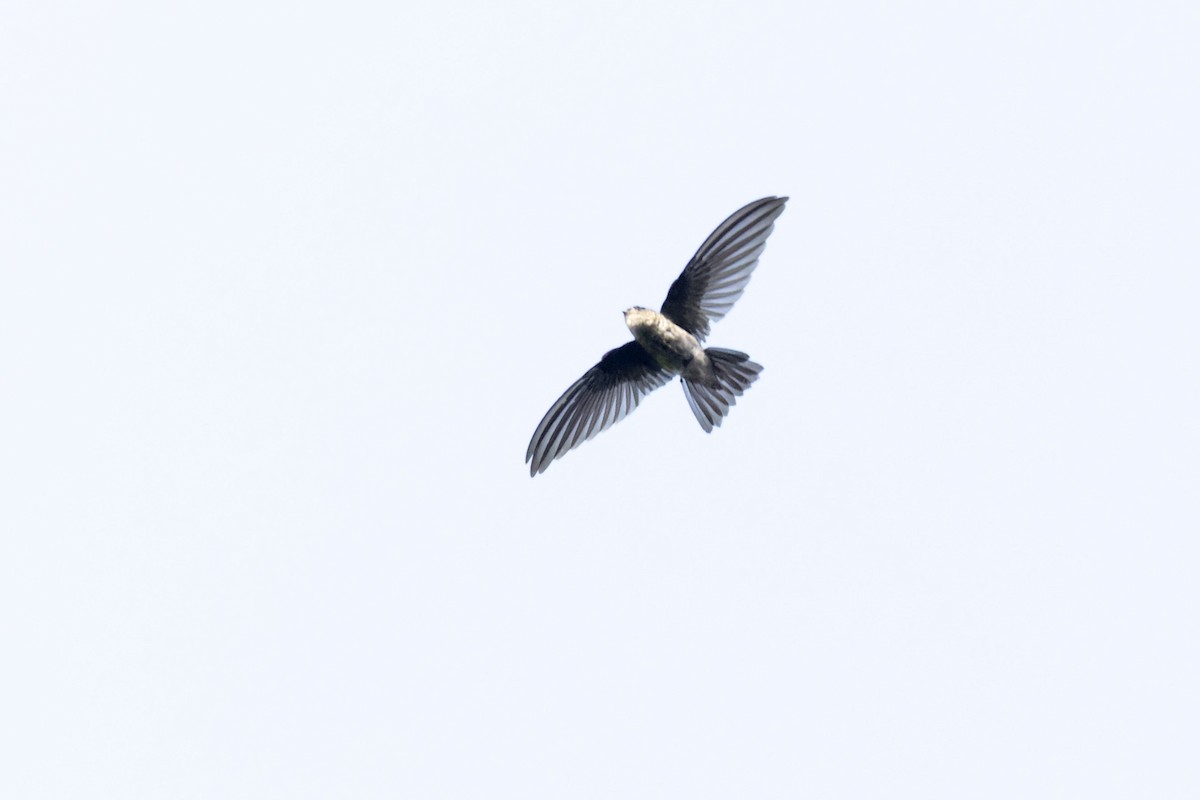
column 733, row 372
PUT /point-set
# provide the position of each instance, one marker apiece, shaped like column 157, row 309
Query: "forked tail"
column 733, row 372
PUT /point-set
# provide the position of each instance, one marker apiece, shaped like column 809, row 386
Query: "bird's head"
column 638, row 317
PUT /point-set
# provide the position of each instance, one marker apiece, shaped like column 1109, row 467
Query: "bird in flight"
column 667, row 343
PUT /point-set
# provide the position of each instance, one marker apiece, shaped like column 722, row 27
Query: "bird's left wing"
column 601, row 398
column 716, row 276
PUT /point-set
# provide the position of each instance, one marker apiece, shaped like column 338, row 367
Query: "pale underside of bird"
column 667, row 343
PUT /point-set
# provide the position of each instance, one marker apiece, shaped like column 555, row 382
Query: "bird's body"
column 673, row 348
column 668, row 343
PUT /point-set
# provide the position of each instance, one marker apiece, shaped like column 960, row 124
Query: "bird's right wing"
column 601, row 398
column 714, row 279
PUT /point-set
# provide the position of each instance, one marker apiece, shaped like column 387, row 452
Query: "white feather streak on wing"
column 603, row 396
column 718, row 273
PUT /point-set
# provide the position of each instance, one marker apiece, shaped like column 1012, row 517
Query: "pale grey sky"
column 286, row 290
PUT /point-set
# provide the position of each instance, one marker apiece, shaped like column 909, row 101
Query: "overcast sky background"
column 286, row 288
